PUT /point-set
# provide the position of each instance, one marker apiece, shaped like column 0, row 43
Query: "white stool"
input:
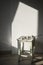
column 22, row 40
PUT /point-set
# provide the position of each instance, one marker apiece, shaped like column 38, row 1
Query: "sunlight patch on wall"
column 25, row 22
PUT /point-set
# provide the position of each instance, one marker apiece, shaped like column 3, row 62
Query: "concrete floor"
column 13, row 60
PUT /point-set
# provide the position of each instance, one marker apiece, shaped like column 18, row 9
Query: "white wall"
column 25, row 14
column 24, row 23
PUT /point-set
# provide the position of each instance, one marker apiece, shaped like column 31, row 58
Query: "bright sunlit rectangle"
column 25, row 22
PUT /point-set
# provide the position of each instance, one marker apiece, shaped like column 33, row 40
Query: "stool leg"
column 23, row 47
column 19, row 50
